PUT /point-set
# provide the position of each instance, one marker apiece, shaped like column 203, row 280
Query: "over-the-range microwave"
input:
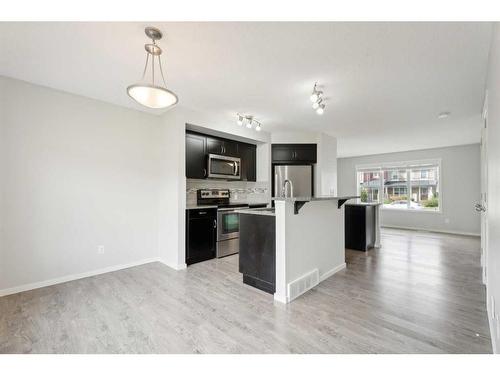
column 226, row 167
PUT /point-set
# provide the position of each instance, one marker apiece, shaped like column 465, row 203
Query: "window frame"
column 408, row 165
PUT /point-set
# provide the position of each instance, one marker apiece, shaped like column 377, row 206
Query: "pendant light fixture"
column 151, row 94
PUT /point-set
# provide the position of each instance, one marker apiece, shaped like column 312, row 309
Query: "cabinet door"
column 215, row 146
column 355, row 227
column 248, row 155
column 200, row 238
column 282, row 153
column 305, row 153
column 195, row 156
column 231, row 148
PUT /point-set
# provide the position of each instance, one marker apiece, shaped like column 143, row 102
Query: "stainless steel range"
column 228, row 221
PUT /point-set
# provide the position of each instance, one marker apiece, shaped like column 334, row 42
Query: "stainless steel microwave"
column 225, row 167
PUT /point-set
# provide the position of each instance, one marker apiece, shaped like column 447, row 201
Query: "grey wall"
column 493, row 209
column 460, row 188
column 75, row 173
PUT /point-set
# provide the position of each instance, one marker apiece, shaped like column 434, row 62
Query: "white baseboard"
column 331, row 272
column 433, row 230
column 177, row 267
column 64, row 279
column 280, row 298
column 491, row 324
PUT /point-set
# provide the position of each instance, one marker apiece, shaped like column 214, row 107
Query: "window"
column 369, row 185
column 409, row 186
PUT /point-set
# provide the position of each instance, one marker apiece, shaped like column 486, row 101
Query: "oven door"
column 223, row 167
column 228, row 224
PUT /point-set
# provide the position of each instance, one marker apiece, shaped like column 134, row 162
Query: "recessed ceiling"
column 385, row 83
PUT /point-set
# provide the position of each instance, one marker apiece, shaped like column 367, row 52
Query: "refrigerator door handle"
column 276, row 190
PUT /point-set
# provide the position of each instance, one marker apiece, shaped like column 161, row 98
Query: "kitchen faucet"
column 283, row 191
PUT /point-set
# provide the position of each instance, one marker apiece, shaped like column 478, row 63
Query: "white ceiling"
column 385, row 82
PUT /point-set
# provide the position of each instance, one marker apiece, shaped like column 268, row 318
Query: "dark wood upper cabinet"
column 198, row 146
column 248, row 156
column 196, row 156
column 222, row 147
column 294, row 153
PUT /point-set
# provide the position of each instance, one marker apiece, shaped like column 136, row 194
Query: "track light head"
column 321, row 109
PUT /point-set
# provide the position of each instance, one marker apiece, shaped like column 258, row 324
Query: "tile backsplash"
column 241, row 191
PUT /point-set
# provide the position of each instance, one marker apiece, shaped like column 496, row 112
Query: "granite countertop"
column 310, row 199
column 200, row 207
column 257, row 211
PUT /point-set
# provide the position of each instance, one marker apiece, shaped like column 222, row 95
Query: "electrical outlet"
column 100, row 249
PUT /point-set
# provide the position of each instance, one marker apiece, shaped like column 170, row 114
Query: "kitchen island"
column 309, row 242
column 257, row 259
column 362, row 225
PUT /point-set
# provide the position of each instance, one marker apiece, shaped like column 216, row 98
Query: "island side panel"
column 258, row 251
column 308, row 242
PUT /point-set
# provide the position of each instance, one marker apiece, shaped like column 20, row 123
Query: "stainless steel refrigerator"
column 300, row 179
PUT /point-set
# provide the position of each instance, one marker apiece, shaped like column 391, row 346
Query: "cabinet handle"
column 204, row 172
column 202, row 212
column 215, row 223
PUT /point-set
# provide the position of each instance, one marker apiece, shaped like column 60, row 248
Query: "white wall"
column 460, row 188
column 75, row 173
column 326, row 168
column 493, row 209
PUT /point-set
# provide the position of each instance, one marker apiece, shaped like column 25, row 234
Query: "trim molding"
column 280, row 299
column 177, row 267
column 64, row 279
column 433, row 230
column 332, row 272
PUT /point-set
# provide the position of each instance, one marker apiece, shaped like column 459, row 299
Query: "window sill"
column 410, row 210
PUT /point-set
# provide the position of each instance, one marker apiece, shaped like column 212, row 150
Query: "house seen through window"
column 413, row 187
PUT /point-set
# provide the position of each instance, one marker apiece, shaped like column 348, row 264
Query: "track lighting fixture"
column 316, row 104
column 317, row 99
column 249, row 121
column 316, row 94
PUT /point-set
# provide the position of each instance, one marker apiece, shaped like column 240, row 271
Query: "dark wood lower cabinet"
column 201, row 235
column 359, row 227
column 257, row 256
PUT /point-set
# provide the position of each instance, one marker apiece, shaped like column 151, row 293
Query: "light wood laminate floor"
column 420, row 293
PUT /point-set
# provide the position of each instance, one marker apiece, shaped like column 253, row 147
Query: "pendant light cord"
column 145, row 66
column 161, row 71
